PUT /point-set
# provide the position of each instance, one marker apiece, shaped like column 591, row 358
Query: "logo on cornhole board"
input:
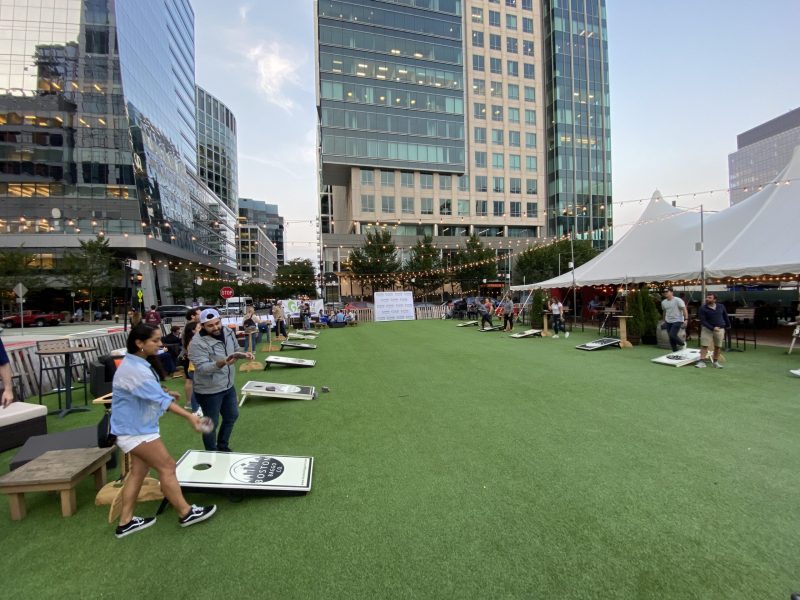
column 256, row 469
column 226, row 292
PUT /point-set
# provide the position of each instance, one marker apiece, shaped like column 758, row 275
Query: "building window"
column 511, row 22
column 511, row 3
column 527, row 4
column 514, row 162
column 481, row 207
column 481, row 184
column 494, row 18
column 513, row 139
column 477, row 39
column 530, row 117
column 527, row 25
column 480, row 135
column 529, row 71
column 497, row 89
column 530, row 140
column 532, row 209
column 495, row 42
column 478, row 63
column 477, row 15
column 426, row 181
column 513, row 91
column 463, row 208
column 387, row 178
column 531, row 163
column 497, row 137
column 512, row 45
column 407, row 204
column 480, row 159
column 367, row 203
column 426, row 207
column 479, row 87
column 498, row 208
column 479, row 111
column 387, row 204
column 463, row 182
column 513, row 115
column 515, row 185
column 513, row 68
column 530, row 94
column 497, row 160
column 527, row 48
column 515, row 209
column 498, row 185
column 445, row 207
column 497, row 113
column 407, row 180
column 496, row 66
column 367, row 177
column 531, row 187
column 445, row 182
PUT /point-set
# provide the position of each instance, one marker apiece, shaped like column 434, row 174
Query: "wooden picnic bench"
column 57, row 470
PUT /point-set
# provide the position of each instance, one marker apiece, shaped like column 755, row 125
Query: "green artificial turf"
column 456, row 464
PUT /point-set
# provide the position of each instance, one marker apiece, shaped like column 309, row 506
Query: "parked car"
column 172, row 310
column 33, row 318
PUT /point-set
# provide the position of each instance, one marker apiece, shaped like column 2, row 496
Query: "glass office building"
column 578, row 133
column 265, row 216
column 98, row 134
column 216, row 148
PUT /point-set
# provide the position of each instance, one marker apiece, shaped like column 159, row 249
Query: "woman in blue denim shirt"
column 138, row 401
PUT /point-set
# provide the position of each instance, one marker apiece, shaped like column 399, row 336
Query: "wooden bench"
column 58, row 470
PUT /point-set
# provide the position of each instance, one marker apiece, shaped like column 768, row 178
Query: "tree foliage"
column 474, row 263
column 541, row 263
column 90, row 269
column 375, row 258
column 16, row 266
column 424, row 259
column 295, row 278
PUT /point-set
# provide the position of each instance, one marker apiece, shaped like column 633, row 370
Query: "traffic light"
column 137, row 278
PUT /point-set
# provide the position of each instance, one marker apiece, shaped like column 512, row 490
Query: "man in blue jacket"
column 713, row 323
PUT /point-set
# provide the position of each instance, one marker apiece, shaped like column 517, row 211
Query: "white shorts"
column 126, row 443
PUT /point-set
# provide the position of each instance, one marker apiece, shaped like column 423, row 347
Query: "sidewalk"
column 16, row 337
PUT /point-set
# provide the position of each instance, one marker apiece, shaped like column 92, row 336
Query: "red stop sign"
column 226, row 292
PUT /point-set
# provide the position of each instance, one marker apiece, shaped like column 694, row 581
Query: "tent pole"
column 702, row 257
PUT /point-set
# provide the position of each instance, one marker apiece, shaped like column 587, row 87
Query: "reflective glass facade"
column 216, row 148
column 97, row 130
column 265, row 216
column 577, row 117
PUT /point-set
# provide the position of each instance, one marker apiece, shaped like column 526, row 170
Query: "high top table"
column 67, row 352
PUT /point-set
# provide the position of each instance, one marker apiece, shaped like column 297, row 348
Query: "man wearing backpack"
column 151, row 317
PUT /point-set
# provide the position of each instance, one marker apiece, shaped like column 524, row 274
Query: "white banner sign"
column 394, row 306
column 292, row 307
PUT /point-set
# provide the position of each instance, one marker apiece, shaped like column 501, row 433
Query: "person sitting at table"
column 138, row 401
column 340, row 316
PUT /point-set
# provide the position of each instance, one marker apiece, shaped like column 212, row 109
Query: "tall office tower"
column 258, row 212
column 97, row 136
column 217, row 155
column 762, row 153
column 258, row 256
column 437, row 117
column 579, row 198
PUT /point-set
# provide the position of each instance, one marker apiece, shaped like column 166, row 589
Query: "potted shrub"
column 651, row 317
column 537, row 306
column 635, row 314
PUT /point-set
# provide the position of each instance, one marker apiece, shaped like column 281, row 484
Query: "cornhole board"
column 287, row 362
column 298, row 346
column 300, row 336
column 467, row 324
column 198, row 469
column 527, row 333
column 795, row 372
column 265, row 389
column 495, row 328
column 681, row 358
column 600, row 343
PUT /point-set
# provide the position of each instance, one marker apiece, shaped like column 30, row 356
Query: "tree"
column 474, row 263
column 295, row 278
column 542, row 262
column 16, row 266
column 182, row 285
column 376, row 261
column 90, row 268
column 425, row 264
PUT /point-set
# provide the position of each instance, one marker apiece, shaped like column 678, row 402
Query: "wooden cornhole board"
column 265, row 389
column 198, row 469
column 298, row 346
column 527, row 333
column 301, row 336
column 494, row 328
column 681, row 358
column 287, row 362
column 467, row 324
column 599, row 343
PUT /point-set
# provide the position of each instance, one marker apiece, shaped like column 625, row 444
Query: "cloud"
column 243, row 10
column 275, row 74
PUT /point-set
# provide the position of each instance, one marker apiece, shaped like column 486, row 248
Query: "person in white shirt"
column 557, row 317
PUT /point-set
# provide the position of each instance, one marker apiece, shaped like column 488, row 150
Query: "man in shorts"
column 714, row 321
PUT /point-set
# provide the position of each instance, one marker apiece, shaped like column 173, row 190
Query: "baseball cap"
column 208, row 314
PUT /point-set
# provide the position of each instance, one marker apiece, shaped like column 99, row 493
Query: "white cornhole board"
column 495, row 328
column 681, row 358
column 527, row 333
column 239, row 471
column 795, row 372
column 286, row 391
column 300, row 336
column 467, row 324
column 287, row 362
column 298, row 346
column 600, row 343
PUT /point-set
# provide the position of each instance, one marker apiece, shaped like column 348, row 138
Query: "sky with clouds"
column 686, row 77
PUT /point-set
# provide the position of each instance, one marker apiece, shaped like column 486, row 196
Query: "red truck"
column 32, row 318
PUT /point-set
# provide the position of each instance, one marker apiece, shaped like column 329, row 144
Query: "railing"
column 428, row 312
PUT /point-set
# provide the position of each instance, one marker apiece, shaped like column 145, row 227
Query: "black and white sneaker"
column 197, row 514
column 135, row 524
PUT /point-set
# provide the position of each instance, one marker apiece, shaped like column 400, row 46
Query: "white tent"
column 754, row 237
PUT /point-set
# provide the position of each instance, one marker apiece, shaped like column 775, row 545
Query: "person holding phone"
column 213, row 353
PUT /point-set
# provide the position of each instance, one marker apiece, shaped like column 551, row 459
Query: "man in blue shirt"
column 713, row 323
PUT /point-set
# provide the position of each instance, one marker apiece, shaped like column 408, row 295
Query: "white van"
column 237, row 305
